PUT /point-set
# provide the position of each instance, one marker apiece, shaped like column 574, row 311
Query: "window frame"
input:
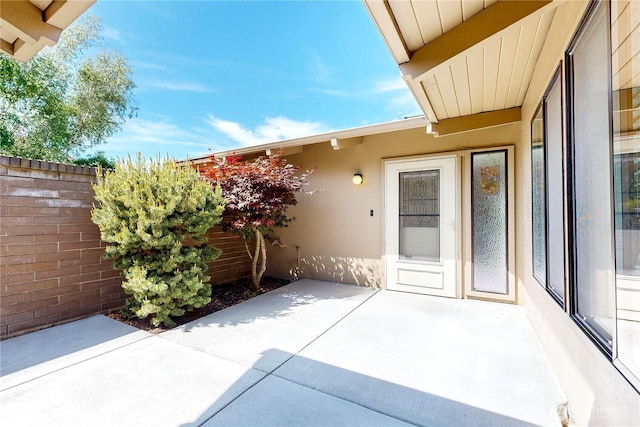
column 555, row 79
column 541, row 280
column 592, row 9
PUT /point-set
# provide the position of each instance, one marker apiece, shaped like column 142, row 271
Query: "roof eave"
column 327, row 137
column 30, row 28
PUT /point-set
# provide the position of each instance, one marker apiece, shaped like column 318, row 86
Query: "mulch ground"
column 222, row 296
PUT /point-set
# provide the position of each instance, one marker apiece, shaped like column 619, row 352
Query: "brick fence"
column 51, row 266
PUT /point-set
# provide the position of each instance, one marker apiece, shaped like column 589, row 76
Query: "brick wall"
column 51, row 266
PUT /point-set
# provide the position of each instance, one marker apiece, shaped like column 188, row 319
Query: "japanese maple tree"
column 258, row 194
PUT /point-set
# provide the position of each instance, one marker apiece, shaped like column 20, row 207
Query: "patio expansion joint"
column 204, row 352
column 79, row 362
column 271, row 372
column 328, row 394
column 318, row 391
column 324, row 332
column 328, row 329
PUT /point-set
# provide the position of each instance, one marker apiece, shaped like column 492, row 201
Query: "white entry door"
column 421, row 225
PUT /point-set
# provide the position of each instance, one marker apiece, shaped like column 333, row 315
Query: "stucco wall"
column 340, row 241
column 338, row 238
column 598, row 394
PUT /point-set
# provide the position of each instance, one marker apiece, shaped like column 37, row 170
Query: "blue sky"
column 224, row 74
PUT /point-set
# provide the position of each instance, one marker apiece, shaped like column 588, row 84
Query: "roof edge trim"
column 409, row 123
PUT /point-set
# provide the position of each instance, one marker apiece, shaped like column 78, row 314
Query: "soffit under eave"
column 407, row 25
column 491, row 74
column 28, row 26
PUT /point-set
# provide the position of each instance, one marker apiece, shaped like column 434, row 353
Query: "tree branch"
column 254, row 260
column 246, row 246
column 263, row 264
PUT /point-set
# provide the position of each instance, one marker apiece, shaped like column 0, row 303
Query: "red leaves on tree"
column 258, row 192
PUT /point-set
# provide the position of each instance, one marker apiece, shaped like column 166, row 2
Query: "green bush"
column 153, row 216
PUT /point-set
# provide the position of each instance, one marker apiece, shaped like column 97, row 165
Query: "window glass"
column 538, row 188
column 420, row 215
column 547, row 157
column 555, row 190
column 593, row 263
column 625, row 86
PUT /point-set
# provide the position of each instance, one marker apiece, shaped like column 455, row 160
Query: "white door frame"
column 448, row 270
column 464, row 254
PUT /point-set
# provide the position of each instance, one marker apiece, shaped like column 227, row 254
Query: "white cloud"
column 404, row 104
column 113, row 34
column 319, row 71
column 273, row 129
column 393, row 85
column 161, row 132
column 178, row 86
column 381, row 87
column 333, row 92
column 160, row 135
column 399, row 99
column 146, row 65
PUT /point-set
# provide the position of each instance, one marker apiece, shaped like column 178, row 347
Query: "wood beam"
column 382, row 15
column 420, row 95
column 6, row 47
column 25, row 20
column 475, row 121
column 283, row 151
column 24, row 51
column 54, row 8
column 474, row 30
column 61, row 13
column 341, row 144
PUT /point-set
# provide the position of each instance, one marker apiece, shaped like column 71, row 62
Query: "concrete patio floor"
column 310, row 353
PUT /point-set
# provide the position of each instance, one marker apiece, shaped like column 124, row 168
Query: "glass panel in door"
column 419, row 215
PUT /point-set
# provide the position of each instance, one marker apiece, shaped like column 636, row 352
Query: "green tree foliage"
column 154, row 216
column 96, row 159
column 66, row 99
column 258, row 194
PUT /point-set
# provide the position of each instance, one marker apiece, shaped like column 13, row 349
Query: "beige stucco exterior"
column 598, row 394
column 339, row 240
column 335, row 237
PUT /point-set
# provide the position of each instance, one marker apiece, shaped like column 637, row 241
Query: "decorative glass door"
column 421, row 225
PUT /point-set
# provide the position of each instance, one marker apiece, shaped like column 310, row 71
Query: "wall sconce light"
column 357, row 178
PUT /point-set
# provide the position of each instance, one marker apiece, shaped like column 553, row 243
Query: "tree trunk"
column 260, row 252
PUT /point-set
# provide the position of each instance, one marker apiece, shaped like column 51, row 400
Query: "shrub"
column 153, row 216
column 258, row 194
